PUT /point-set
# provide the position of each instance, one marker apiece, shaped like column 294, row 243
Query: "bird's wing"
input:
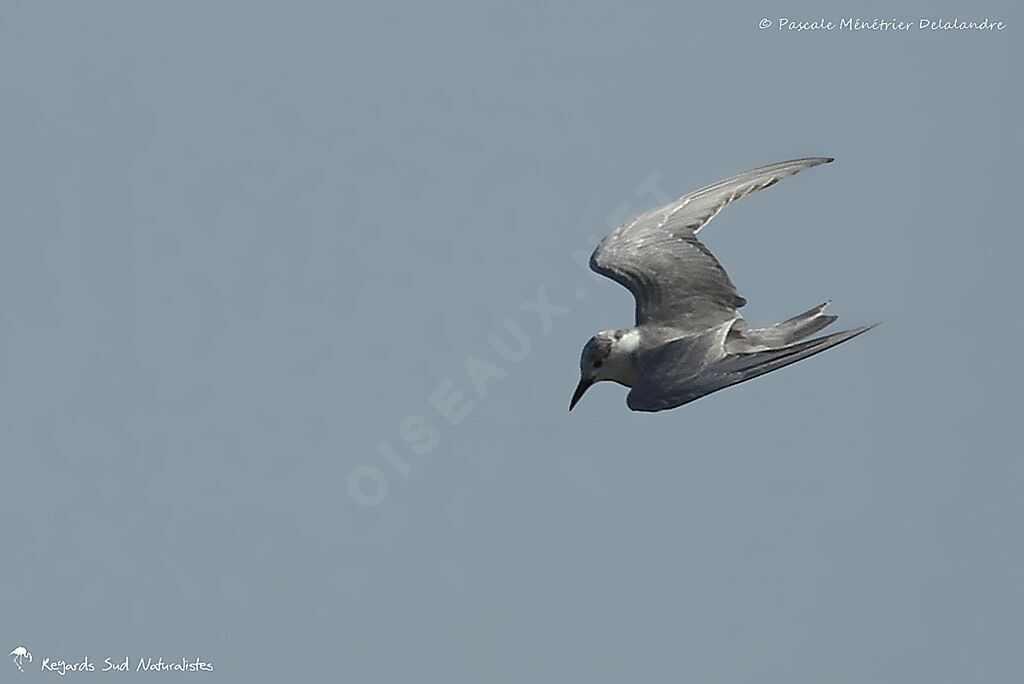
column 658, row 258
column 669, row 380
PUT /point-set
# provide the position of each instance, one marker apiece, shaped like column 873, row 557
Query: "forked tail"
column 742, row 367
column 743, row 340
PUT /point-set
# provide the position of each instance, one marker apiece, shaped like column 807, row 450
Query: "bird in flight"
column 690, row 339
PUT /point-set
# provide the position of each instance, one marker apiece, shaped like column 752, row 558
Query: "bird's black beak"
column 580, row 389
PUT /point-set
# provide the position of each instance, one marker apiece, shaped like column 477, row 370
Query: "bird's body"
column 690, row 339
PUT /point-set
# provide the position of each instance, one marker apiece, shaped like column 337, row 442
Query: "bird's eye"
column 597, row 364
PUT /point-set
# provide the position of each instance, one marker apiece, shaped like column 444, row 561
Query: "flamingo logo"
column 19, row 655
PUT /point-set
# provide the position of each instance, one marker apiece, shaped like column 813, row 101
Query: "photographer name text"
column 855, row 24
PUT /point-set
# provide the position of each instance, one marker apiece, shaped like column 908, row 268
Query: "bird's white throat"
column 622, row 365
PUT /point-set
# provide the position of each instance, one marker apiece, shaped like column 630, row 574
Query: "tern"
column 690, row 339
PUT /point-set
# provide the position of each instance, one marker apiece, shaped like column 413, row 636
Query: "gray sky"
column 245, row 244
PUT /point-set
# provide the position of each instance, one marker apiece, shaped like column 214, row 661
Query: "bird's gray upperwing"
column 669, row 378
column 658, row 258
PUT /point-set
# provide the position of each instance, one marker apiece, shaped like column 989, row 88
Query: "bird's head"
column 594, row 363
